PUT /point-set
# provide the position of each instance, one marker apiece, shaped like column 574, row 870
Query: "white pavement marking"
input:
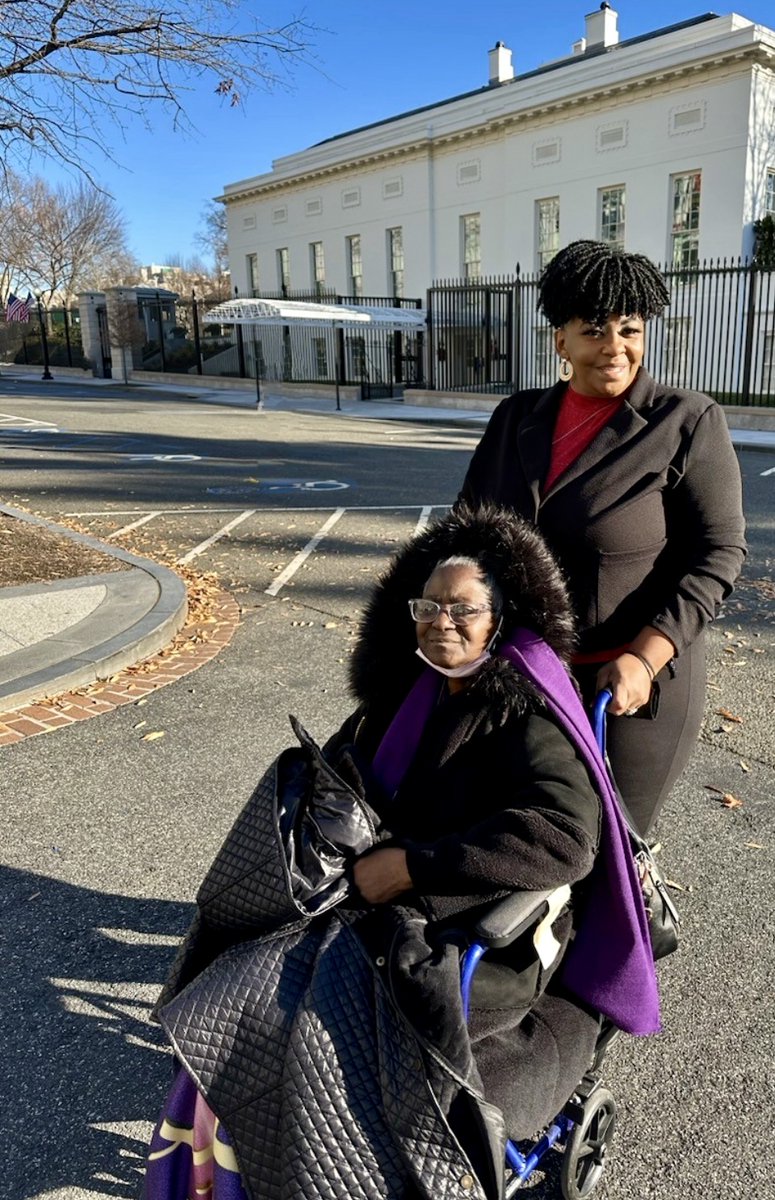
column 134, row 525
column 770, row 472
column 128, row 512
column 422, row 520
column 296, row 562
column 217, row 536
column 174, row 458
column 32, row 422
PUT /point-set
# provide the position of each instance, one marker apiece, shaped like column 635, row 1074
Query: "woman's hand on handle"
column 628, row 681
column 630, row 675
column 382, row 875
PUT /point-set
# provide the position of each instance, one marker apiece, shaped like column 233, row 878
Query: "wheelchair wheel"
column 584, row 1159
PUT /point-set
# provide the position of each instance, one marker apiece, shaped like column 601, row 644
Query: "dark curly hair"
column 591, row 280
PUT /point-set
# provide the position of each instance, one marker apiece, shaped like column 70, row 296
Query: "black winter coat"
column 647, row 523
column 487, row 808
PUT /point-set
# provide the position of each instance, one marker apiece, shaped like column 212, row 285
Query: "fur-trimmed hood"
column 384, row 664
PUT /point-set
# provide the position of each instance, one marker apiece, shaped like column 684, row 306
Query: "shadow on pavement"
column 84, row 1070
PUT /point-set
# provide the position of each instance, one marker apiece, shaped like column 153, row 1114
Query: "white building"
column 664, row 142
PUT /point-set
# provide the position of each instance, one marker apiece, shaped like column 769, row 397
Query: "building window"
column 769, row 194
column 251, row 261
column 283, row 269
column 545, row 357
column 685, row 233
column 548, row 229
column 677, row 341
column 355, row 264
column 321, row 357
column 317, row 267
column 472, row 252
column 356, row 348
column 612, row 216
column 396, row 261
column 768, row 360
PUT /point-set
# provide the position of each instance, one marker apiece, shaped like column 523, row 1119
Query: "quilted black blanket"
column 329, row 1041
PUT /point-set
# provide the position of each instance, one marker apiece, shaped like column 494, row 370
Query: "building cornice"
column 651, row 83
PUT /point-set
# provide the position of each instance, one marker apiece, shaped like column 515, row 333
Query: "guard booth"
column 124, row 327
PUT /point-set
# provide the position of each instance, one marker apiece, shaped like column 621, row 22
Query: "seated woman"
column 333, row 1045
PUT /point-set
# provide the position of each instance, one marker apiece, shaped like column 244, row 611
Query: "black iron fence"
column 378, row 360
column 717, row 335
column 22, row 341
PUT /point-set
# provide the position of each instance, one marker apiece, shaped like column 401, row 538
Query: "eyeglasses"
column 425, row 611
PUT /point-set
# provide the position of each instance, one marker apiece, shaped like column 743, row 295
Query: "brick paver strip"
column 129, row 686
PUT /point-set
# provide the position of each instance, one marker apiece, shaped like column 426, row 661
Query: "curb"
column 130, row 687
column 147, row 635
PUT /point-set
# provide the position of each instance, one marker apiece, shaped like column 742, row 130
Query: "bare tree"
column 58, row 241
column 213, row 238
column 125, row 330
column 67, row 66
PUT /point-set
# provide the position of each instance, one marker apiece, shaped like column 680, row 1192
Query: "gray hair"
column 486, row 576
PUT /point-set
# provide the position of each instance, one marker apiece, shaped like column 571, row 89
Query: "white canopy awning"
column 304, row 312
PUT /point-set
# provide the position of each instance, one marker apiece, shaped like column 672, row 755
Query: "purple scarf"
column 608, row 964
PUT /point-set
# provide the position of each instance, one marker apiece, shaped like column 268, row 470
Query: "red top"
column 579, row 421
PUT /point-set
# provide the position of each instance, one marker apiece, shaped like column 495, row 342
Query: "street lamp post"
column 44, row 344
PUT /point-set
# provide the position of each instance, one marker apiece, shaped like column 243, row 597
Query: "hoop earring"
column 565, row 370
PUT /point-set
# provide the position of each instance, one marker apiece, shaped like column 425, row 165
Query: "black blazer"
column 647, row 523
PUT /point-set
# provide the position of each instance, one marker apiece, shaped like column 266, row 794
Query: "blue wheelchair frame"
column 498, row 928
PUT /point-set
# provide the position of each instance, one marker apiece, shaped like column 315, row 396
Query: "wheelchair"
column 586, row 1123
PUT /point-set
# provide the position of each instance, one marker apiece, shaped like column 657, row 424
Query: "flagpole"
column 44, row 343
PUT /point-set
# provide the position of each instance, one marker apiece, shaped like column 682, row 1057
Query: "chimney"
column 501, row 70
column 601, row 27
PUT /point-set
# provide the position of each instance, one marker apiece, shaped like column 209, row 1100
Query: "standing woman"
column 636, row 488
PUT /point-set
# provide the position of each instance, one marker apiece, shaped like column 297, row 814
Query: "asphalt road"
column 103, row 838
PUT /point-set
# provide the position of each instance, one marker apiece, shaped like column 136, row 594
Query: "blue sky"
column 368, row 60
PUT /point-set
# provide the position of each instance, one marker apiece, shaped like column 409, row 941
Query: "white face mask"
column 468, row 668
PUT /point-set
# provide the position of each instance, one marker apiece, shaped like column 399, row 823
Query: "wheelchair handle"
column 602, row 700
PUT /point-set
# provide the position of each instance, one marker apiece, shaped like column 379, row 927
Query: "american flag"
column 16, row 309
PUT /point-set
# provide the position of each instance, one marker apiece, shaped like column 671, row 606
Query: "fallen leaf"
column 744, row 765
column 754, row 846
column 724, row 712
column 730, row 801
column 679, row 887
column 139, row 724
column 151, row 737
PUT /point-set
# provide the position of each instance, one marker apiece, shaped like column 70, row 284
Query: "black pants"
column 647, row 756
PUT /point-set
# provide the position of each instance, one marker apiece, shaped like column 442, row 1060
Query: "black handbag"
column 661, row 913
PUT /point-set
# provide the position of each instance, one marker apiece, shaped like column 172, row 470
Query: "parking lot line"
column 218, row 535
column 134, row 525
column 296, row 562
column 422, row 520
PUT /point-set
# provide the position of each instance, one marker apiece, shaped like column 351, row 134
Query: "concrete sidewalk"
column 71, row 632
column 753, row 428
